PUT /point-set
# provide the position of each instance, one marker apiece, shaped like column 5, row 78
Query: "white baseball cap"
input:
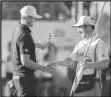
column 84, row 20
column 29, row 11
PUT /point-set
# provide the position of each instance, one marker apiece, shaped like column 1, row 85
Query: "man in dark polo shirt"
column 23, row 54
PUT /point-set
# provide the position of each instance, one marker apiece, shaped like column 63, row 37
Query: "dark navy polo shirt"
column 22, row 43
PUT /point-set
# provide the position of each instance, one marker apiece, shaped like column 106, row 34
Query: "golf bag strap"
column 97, row 71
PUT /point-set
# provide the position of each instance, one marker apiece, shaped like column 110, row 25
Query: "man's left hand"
column 44, row 45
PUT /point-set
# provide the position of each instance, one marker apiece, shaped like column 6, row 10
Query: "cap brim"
column 77, row 25
column 38, row 17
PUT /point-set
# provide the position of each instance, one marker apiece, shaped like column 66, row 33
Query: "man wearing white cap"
column 97, row 58
column 23, row 54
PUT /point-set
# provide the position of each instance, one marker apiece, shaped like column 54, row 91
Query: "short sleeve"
column 102, row 51
column 25, row 44
column 73, row 55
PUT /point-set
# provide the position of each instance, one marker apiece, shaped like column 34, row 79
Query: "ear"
column 85, row 26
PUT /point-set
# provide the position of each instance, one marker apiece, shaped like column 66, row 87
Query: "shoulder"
column 101, row 41
column 102, row 44
column 22, row 29
column 80, row 43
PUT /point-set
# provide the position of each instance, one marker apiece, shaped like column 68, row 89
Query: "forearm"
column 61, row 62
column 38, row 45
column 32, row 65
column 99, row 65
column 66, row 62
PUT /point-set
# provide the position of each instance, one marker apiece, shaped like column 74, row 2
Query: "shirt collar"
column 25, row 27
column 95, row 36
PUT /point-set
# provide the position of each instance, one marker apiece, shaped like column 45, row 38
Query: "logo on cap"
column 84, row 20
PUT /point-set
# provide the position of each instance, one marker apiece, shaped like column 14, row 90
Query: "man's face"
column 81, row 30
column 84, row 30
column 30, row 21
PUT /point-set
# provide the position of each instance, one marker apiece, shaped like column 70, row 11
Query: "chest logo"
column 80, row 54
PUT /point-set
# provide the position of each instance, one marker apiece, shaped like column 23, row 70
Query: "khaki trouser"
column 96, row 91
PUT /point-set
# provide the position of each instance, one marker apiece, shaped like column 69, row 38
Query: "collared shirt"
column 22, row 43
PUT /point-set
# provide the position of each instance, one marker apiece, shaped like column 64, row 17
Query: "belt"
column 84, row 82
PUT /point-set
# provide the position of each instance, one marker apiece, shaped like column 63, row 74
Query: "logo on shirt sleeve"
column 26, row 50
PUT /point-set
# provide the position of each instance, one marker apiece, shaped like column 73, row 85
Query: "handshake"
column 50, row 68
column 53, row 64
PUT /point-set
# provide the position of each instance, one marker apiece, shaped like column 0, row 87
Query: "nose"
column 35, row 20
column 79, row 30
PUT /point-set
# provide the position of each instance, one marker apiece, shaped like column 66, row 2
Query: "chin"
column 82, row 36
column 31, row 25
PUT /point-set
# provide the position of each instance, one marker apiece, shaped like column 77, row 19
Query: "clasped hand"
column 51, row 64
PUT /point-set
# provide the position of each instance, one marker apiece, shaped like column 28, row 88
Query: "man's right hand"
column 51, row 70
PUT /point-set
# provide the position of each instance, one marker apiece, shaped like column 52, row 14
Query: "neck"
column 88, row 36
column 24, row 22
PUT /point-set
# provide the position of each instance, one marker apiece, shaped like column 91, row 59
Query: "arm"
column 98, row 65
column 29, row 63
column 38, row 45
column 32, row 65
column 41, row 46
column 102, row 56
column 71, row 61
column 25, row 46
column 66, row 62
